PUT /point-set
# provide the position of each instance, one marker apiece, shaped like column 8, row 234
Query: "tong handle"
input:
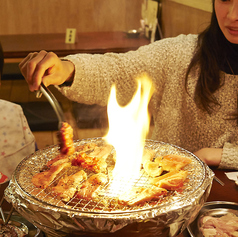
column 219, row 181
column 52, row 100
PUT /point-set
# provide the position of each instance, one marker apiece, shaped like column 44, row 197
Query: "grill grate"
column 107, row 201
column 91, row 205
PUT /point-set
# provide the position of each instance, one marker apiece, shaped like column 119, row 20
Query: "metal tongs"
column 219, row 181
column 53, row 101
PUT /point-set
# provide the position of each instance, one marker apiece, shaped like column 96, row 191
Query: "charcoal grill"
column 165, row 217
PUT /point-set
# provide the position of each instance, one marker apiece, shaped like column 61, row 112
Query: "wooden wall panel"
column 181, row 19
column 133, row 11
column 205, row 5
column 54, row 16
column 109, row 14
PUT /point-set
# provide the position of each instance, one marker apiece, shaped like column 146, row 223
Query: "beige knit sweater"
column 177, row 119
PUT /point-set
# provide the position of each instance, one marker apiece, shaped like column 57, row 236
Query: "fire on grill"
column 110, row 184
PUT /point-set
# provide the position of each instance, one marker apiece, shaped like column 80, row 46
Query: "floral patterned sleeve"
column 16, row 138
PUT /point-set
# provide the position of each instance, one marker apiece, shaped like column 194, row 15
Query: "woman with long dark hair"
column 194, row 104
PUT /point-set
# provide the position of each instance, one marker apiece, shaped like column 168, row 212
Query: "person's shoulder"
column 182, row 39
column 181, row 44
column 189, row 37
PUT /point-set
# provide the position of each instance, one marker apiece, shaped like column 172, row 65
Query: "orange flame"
column 128, row 128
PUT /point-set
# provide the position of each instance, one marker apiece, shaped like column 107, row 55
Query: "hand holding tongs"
column 53, row 101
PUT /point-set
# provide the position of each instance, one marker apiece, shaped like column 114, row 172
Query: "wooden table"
column 228, row 192
column 18, row 46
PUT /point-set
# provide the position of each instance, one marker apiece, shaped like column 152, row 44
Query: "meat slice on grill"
column 86, row 147
column 95, row 164
column 90, row 187
column 173, row 180
column 148, row 155
column 173, row 162
column 140, row 195
column 152, row 168
column 67, row 158
column 67, row 186
column 58, row 160
column 45, row 178
column 102, row 151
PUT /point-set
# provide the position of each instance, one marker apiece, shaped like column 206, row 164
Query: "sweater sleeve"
column 95, row 74
column 229, row 156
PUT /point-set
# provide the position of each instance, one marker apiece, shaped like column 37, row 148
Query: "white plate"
column 214, row 209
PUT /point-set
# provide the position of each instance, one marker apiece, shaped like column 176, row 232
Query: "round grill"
column 22, row 193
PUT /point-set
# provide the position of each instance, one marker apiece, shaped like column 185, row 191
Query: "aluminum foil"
column 55, row 218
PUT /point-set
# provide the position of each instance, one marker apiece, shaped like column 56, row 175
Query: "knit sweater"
column 177, row 119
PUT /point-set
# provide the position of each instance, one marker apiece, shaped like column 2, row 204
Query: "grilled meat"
column 90, row 187
column 140, row 195
column 95, row 164
column 67, row 158
column 148, row 155
column 65, row 136
column 60, row 159
column 67, row 186
column 102, row 152
column 172, row 162
column 45, row 178
column 152, row 168
column 173, row 180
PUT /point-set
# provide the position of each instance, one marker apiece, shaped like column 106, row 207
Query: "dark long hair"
column 210, row 56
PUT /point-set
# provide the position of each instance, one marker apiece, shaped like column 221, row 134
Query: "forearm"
column 95, row 75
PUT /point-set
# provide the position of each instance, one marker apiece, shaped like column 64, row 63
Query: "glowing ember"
column 128, row 128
